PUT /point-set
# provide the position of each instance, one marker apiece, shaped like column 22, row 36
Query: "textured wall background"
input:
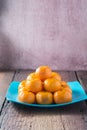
column 43, row 32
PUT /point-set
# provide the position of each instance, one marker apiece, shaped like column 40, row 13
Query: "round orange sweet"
column 52, row 85
column 23, row 89
column 22, row 84
column 32, row 76
column 34, row 85
column 44, row 97
column 62, row 96
column 63, row 83
column 43, row 72
column 25, row 96
column 56, row 76
column 65, row 86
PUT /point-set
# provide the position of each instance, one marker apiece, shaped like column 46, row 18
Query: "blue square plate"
column 78, row 94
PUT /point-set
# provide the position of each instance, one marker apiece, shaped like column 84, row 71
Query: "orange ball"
column 56, row 76
column 65, row 86
column 32, row 76
column 34, row 85
column 43, row 72
column 62, row 96
column 52, row 85
column 25, row 96
column 44, row 97
column 22, row 84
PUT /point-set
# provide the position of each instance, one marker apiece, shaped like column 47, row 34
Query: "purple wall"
column 43, row 32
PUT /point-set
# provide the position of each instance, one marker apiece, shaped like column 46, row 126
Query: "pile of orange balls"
column 44, row 87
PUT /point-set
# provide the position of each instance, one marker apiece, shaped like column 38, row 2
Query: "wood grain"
column 71, row 115
column 5, row 79
column 82, row 77
column 19, row 117
column 21, row 75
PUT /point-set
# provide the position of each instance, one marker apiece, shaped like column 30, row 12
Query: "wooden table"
column 19, row 117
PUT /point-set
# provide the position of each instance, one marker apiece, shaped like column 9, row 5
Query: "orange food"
column 44, row 97
column 22, row 84
column 65, row 86
column 56, row 76
column 34, row 85
column 43, row 72
column 23, row 89
column 44, row 86
column 62, row 96
column 63, row 83
column 52, row 85
column 32, row 76
column 25, row 96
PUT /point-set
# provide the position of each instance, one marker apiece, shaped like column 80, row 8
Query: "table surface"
column 18, row 117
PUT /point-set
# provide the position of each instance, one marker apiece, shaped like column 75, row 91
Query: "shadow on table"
column 76, row 108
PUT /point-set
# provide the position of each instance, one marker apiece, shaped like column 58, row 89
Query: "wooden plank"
column 82, row 77
column 21, row 75
column 18, row 117
column 5, row 79
column 72, row 115
column 68, row 76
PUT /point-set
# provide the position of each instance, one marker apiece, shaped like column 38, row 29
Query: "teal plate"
column 78, row 94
